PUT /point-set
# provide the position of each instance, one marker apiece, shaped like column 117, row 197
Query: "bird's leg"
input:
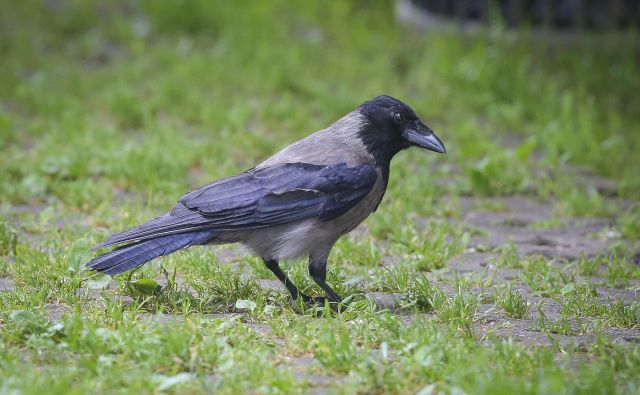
column 273, row 265
column 318, row 272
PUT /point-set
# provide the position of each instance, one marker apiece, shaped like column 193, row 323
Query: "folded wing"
column 261, row 197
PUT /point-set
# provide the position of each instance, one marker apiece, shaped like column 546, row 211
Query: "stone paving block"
column 385, row 300
column 55, row 311
column 7, row 284
column 472, row 261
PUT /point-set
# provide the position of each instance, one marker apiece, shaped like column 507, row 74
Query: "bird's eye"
column 398, row 117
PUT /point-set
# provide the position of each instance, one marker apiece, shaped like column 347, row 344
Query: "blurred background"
column 558, row 14
column 101, row 100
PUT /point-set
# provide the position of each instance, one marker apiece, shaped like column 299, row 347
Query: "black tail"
column 133, row 255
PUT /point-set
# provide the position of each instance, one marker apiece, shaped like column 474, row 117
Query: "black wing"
column 262, row 197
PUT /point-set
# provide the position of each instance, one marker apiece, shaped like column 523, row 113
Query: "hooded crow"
column 296, row 204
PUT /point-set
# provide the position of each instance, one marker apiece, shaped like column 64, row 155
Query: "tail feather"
column 179, row 220
column 132, row 255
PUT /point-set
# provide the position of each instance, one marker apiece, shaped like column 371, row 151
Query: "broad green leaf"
column 146, row 286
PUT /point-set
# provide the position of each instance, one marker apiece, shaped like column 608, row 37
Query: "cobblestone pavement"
column 528, row 229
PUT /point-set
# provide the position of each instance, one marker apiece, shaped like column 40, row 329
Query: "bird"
column 294, row 205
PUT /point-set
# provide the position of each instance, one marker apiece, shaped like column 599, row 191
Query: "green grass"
column 424, row 295
column 583, row 302
column 109, row 112
column 8, row 239
column 513, row 303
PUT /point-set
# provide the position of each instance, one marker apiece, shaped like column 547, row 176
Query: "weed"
column 513, row 303
column 583, row 301
column 588, row 266
column 620, row 315
column 424, row 295
column 363, row 252
column 509, row 256
column 459, row 312
column 224, row 287
column 8, row 239
column 395, row 278
column 335, row 349
column 541, row 277
column 620, row 271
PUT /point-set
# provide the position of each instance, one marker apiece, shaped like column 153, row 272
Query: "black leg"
column 273, row 265
column 318, row 272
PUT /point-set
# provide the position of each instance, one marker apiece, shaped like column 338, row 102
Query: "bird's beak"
column 421, row 135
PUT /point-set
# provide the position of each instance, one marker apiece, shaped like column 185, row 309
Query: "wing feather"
column 261, row 197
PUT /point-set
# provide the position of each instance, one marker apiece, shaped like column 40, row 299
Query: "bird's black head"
column 391, row 126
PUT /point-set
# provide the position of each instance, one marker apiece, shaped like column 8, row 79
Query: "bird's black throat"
column 382, row 146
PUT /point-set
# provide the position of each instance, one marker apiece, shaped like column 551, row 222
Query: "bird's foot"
column 313, row 300
column 321, row 301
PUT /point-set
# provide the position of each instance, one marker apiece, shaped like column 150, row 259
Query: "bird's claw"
column 320, row 301
column 313, row 300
